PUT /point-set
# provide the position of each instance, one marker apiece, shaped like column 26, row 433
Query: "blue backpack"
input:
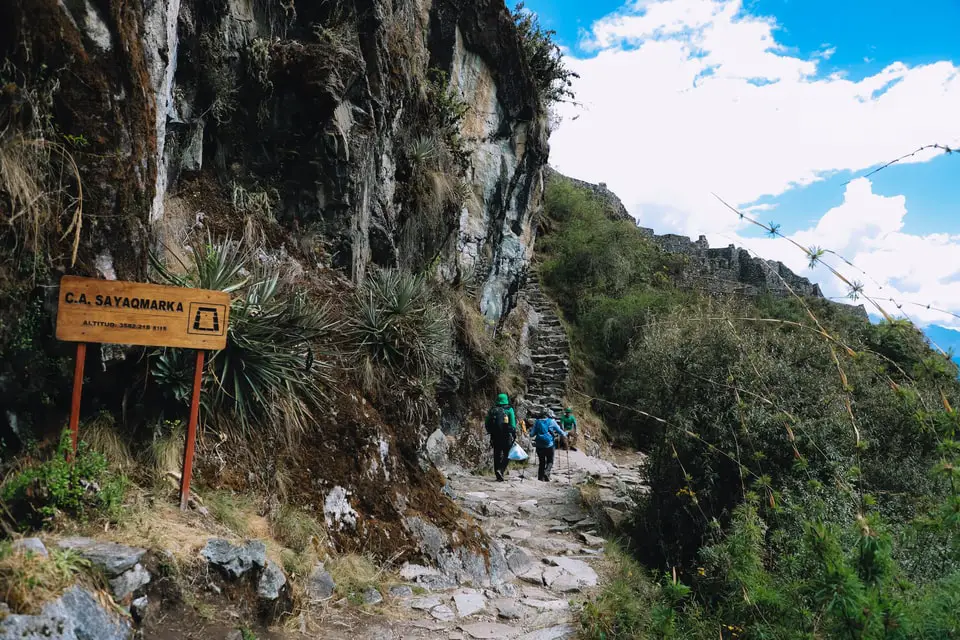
column 542, row 438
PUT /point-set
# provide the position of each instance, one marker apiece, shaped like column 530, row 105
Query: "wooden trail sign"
column 151, row 315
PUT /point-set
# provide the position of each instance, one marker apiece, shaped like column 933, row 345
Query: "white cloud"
column 867, row 230
column 682, row 98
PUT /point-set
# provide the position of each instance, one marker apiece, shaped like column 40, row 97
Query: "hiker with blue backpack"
column 545, row 433
column 501, row 425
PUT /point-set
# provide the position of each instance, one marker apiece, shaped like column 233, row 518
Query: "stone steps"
column 549, row 351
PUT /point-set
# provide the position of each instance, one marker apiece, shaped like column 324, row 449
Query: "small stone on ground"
column 490, row 631
column 443, row 613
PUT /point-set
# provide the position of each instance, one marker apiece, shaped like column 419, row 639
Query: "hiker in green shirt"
column 501, row 425
column 569, row 424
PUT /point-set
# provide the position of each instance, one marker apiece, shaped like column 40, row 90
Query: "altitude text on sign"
column 110, row 311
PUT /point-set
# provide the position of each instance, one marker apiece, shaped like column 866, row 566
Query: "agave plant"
column 268, row 373
column 400, row 327
column 423, row 149
column 814, row 255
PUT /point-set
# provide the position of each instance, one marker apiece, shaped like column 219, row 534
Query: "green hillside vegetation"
column 803, row 463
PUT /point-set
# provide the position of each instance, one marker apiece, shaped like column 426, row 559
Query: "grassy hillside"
column 803, row 463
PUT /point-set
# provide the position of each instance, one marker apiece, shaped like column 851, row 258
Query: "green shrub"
column 623, row 608
column 804, row 474
column 552, row 76
column 84, row 489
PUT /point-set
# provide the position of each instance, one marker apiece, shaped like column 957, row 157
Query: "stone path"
column 551, row 544
column 549, row 351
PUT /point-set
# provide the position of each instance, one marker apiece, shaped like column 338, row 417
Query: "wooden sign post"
column 109, row 311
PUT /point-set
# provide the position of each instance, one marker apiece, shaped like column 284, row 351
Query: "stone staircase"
column 549, row 351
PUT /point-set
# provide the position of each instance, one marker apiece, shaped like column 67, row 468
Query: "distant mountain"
column 946, row 339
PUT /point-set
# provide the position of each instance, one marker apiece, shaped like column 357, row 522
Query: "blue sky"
column 784, row 106
column 881, row 31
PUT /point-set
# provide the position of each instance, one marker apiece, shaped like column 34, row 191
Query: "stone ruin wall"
column 732, row 270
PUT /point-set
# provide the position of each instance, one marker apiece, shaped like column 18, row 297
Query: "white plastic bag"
column 517, row 453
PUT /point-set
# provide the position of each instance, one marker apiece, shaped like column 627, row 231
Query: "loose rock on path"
column 550, row 542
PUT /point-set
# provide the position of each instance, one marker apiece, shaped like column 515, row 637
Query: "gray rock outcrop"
column 76, row 615
column 129, row 582
column 30, row 545
column 272, row 581
column 235, row 560
column 113, row 559
column 320, row 584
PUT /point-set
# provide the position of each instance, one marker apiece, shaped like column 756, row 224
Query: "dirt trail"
column 552, row 545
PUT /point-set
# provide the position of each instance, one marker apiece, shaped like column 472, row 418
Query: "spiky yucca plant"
column 400, row 327
column 267, row 375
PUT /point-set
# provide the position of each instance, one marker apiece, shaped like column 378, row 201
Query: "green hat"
column 503, row 399
column 569, row 410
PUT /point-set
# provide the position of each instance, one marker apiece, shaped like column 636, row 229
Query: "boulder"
column 546, row 605
column 443, row 613
column 425, row 604
column 131, row 581
column 592, row 540
column 518, row 560
column 114, row 559
column 401, row 591
column 414, row 571
column 30, row 545
column 372, row 596
column 580, row 570
column 235, row 560
column 320, row 584
column 558, row 632
column 272, row 580
column 76, row 615
column 616, row 517
column 437, row 448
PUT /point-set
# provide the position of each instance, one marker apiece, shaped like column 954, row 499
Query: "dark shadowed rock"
column 114, row 559
column 235, row 560
column 138, row 609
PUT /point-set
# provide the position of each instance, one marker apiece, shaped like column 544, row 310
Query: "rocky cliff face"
column 354, row 133
column 309, row 113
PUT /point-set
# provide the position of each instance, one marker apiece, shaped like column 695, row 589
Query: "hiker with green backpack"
column 501, row 425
